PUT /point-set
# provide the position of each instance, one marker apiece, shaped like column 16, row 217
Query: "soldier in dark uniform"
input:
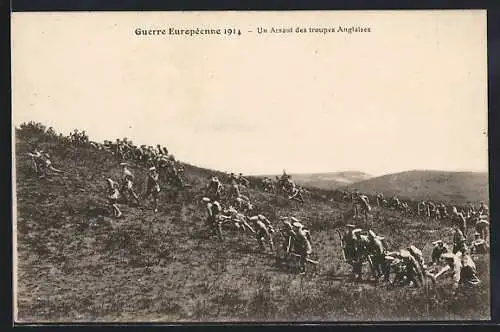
column 438, row 250
column 459, row 241
column 478, row 246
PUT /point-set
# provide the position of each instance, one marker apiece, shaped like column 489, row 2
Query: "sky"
column 410, row 94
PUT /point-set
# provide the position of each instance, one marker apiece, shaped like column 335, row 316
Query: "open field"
column 75, row 263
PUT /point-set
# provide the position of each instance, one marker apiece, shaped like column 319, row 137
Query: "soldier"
column 215, row 188
column 459, row 242
column 364, row 205
column 302, row 244
column 235, row 191
column 443, row 212
column 355, row 203
column 463, row 267
column 263, row 230
column 113, row 195
column 483, row 209
column 153, row 186
column 214, row 221
column 239, row 220
column 396, row 201
column 128, row 184
column 431, row 209
column 296, row 194
column 438, row 250
column 243, row 181
column 411, row 271
column 458, row 219
column 478, row 246
column 351, row 250
column 41, row 162
column 482, row 226
column 377, row 249
column 417, row 254
column 288, row 234
column 380, row 199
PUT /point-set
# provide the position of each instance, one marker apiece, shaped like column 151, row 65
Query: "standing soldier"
column 443, row 212
column 113, row 195
column 153, row 187
column 483, row 209
column 377, row 250
column 482, row 226
column 365, row 205
column 380, row 199
column 351, row 250
column 128, row 184
column 396, row 201
column 431, row 209
column 355, row 203
column 458, row 220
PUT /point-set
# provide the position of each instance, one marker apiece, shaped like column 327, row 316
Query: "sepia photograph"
column 244, row 166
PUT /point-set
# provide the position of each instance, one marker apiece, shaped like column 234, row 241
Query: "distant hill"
column 456, row 187
column 330, row 180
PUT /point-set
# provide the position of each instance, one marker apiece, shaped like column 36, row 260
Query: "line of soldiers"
column 125, row 188
column 217, row 191
column 408, row 264
column 469, row 216
column 77, row 137
column 284, row 185
column 295, row 237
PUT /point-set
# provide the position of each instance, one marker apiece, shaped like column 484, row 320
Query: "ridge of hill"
column 77, row 263
column 452, row 187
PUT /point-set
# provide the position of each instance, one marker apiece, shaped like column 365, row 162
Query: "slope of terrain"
column 76, row 263
column 329, row 180
column 453, row 187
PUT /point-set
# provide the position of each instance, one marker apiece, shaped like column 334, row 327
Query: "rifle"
column 342, row 245
column 307, row 259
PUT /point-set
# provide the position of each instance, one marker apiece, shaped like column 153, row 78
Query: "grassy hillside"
column 76, row 263
column 453, row 187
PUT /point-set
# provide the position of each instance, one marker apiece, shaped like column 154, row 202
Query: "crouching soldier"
column 478, row 246
column 419, row 257
column 239, row 220
column 263, row 230
column 410, row 271
column 214, row 219
column 302, row 244
column 438, row 250
column 463, row 267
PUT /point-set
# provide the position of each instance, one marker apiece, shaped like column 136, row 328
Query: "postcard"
column 298, row 166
